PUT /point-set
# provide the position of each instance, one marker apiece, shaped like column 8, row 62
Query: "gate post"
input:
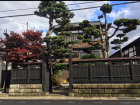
column 70, row 73
column 44, row 81
column 131, row 70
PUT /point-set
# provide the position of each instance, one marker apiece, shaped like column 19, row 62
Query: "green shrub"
column 67, row 79
column 55, row 79
column 80, row 37
column 62, row 61
column 59, row 66
column 58, row 72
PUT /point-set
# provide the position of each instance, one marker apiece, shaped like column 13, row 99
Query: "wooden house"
column 77, row 52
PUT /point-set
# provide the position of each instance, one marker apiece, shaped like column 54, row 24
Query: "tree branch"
column 115, row 28
column 96, row 29
column 55, row 26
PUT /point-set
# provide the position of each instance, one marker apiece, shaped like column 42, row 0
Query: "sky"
column 19, row 24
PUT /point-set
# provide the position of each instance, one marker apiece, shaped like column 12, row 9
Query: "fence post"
column 90, row 75
column 28, row 73
column 11, row 74
column 44, row 85
column 110, row 70
column 131, row 70
column 70, row 73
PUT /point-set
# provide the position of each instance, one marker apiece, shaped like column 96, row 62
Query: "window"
column 126, row 51
column 72, row 38
column 131, row 54
column 75, row 54
column 131, row 49
column 68, row 39
column 134, row 48
column 134, row 52
column 81, row 54
column 100, row 54
column 76, row 37
column 97, row 53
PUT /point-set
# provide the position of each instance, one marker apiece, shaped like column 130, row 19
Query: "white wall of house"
column 0, row 68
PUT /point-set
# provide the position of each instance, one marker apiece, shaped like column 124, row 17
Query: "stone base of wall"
column 25, row 90
column 106, row 90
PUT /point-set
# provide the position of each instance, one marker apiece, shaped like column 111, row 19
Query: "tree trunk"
column 102, row 43
column 106, row 38
column 49, row 33
column 120, row 47
column 120, row 50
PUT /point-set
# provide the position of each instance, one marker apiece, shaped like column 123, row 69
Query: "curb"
column 68, row 98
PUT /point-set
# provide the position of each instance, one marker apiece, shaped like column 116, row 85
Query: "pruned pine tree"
column 56, row 11
column 89, row 31
column 119, row 41
column 128, row 24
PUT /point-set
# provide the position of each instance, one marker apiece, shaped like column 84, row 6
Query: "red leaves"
column 19, row 46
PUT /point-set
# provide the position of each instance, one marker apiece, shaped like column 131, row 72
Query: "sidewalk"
column 66, row 98
column 60, row 93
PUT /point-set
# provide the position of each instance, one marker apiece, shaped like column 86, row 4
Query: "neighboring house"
column 130, row 50
column 77, row 52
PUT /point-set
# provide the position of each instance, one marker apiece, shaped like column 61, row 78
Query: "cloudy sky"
column 19, row 24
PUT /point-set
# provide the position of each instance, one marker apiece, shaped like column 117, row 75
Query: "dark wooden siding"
column 26, row 75
column 106, row 74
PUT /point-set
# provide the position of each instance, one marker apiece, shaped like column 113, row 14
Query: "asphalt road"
column 69, row 102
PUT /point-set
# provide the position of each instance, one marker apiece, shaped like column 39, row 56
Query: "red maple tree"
column 23, row 47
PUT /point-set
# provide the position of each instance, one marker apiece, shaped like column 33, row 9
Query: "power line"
column 84, row 3
column 71, row 10
column 37, row 8
column 76, row 16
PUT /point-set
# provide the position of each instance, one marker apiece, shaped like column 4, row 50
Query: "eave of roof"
column 97, row 23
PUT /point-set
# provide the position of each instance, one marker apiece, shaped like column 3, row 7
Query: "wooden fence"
column 106, row 73
column 109, row 70
column 29, row 74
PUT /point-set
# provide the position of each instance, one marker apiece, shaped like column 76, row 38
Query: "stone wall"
column 25, row 90
column 106, row 90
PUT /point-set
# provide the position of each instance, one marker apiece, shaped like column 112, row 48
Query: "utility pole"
column 27, row 26
column 6, row 63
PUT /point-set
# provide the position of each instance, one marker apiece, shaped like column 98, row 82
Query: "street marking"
column 45, row 102
column 21, row 102
column 97, row 102
column 70, row 102
column 0, row 101
column 125, row 102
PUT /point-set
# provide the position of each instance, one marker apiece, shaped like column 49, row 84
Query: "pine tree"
column 89, row 31
column 119, row 41
column 58, row 11
column 128, row 24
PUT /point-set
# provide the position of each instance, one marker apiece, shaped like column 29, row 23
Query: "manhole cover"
column 125, row 98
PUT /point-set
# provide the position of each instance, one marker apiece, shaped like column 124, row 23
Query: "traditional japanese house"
column 77, row 52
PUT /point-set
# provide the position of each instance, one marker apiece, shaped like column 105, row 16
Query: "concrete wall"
column 106, row 90
column 25, row 90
